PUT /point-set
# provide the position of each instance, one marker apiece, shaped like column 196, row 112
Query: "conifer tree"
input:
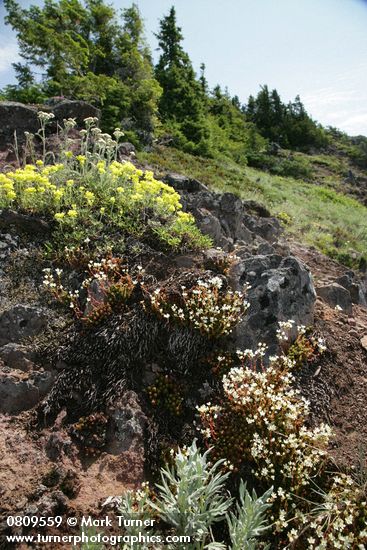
column 183, row 99
column 86, row 52
column 289, row 125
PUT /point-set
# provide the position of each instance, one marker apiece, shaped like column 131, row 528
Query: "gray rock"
column 19, row 117
column 23, row 222
column 264, row 248
column 127, row 149
column 79, row 110
column 209, row 224
column 226, row 218
column 230, row 204
column 20, row 391
column 336, row 295
column 267, row 228
column 356, row 288
column 273, row 148
column 126, row 426
column 17, row 356
column 244, row 251
column 23, row 118
column 231, row 219
column 257, row 209
column 21, row 321
column 49, row 505
column 58, row 445
column 281, row 289
column 184, row 183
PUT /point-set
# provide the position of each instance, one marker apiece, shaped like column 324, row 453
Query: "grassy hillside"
column 318, row 215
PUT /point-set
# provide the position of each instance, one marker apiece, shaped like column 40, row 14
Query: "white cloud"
column 340, row 107
column 356, row 124
column 8, row 55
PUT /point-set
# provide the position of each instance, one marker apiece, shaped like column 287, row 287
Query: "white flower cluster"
column 43, row 116
column 261, row 423
column 52, row 281
column 250, row 354
column 284, row 328
column 320, row 344
column 339, row 521
column 106, row 272
column 204, row 307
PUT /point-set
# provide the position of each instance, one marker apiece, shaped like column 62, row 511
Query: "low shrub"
column 91, row 194
column 191, row 498
column 205, row 307
column 339, row 520
column 260, row 426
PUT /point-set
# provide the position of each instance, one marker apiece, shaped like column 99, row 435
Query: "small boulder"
column 184, row 183
column 267, row 228
column 209, row 225
column 20, row 391
column 357, row 288
column 230, row 203
column 127, row 149
column 23, row 223
column 255, row 208
column 336, row 295
column 79, row 110
column 19, row 117
column 21, row 321
column 281, row 289
column 17, row 357
column 126, row 426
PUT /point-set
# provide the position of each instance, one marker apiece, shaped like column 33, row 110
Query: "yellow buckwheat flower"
column 101, row 167
column 58, row 194
column 72, row 213
column 81, row 159
column 90, row 197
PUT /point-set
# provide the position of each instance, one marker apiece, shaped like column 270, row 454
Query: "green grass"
column 320, row 216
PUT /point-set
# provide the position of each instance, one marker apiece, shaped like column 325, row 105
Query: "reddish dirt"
column 337, row 386
column 24, row 467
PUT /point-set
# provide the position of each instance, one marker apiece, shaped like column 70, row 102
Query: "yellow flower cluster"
column 83, row 190
column 49, row 189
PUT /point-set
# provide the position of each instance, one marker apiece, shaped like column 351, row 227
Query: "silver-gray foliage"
column 192, row 495
column 248, row 522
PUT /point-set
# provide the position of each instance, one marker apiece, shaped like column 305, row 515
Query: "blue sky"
column 317, row 48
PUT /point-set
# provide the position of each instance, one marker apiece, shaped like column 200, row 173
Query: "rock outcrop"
column 280, row 289
column 21, row 321
column 224, row 217
column 23, row 118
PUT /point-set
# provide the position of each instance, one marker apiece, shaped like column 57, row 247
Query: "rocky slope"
column 76, row 424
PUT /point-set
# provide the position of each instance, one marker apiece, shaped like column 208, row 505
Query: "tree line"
column 87, row 50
